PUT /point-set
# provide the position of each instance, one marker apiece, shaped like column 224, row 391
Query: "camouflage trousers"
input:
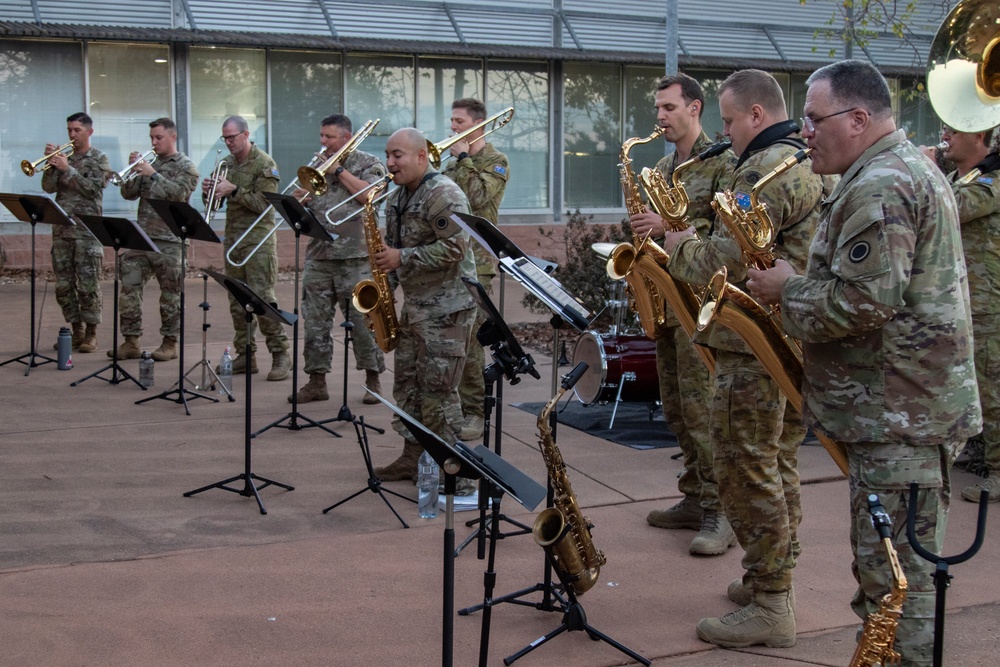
column 756, row 451
column 138, row 266
column 327, row 283
column 428, row 366
column 260, row 273
column 685, row 393
column 472, row 388
column 888, row 470
column 987, row 371
column 77, row 265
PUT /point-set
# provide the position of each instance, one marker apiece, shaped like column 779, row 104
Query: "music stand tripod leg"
column 33, row 353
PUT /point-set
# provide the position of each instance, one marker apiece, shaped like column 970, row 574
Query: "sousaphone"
column 963, row 68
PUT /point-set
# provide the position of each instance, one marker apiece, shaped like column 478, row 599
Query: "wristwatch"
column 338, row 171
column 463, row 155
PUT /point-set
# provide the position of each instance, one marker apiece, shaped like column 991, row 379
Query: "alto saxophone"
column 374, row 298
column 760, row 328
column 875, row 649
column 562, row 530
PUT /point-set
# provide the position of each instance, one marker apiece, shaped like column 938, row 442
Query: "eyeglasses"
column 230, row 137
column 809, row 124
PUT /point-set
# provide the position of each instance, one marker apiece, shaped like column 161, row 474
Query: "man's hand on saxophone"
column 671, row 239
column 766, row 286
column 647, row 222
column 388, row 259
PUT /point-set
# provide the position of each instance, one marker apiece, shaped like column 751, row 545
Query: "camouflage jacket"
column 350, row 242
column 483, row 178
column 79, row 189
column 701, row 181
column 792, row 201
column 436, row 253
column 883, row 309
column 979, row 214
column 257, row 175
column 175, row 179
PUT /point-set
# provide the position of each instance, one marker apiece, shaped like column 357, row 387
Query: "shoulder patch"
column 274, row 172
column 743, row 199
column 859, row 251
column 752, row 177
column 441, row 223
column 985, row 179
column 500, row 169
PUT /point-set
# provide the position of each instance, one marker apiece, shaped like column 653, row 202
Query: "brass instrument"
column 260, row 218
column 375, row 202
column 213, row 203
column 495, row 122
column 875, row 648
column 374, row 298
column 562, row 530
column 671, row 202
column 963, row 77
column 313, row 179
column 129, row 172
column 29, row 168
column 760, row 328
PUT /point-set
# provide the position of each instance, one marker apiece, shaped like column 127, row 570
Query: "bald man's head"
column 406, row 157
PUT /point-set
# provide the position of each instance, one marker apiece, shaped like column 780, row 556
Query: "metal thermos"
column 64, row 348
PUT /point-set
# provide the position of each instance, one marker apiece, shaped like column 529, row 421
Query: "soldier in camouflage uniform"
column 978, row 197
column 755, row 442
column 78, row 181
column 430, row 255
column 482, row 172
column 251, row 172
column 174, row 177
column 685, row 383
column 332, row 269
column 883, row 314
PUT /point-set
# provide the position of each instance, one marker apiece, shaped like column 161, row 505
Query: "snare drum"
column 613, row 360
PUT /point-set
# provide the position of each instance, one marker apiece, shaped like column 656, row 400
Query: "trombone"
column 375, row 202
column 290, row 187
column 219, row 171
column 313, row 179
column 128, row 173
column 496, row 121
column 29, row 168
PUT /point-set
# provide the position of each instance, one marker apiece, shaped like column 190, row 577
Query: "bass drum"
column 616, row 361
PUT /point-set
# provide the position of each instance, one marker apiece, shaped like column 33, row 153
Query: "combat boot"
column 315, row 389
column 129, row 349
column 991, row 484
column 741, row 595
column 240, row 364
column 372, row 382
column 89, row 342
column 281, row 365
column 167, row 349
column 79, row 335
column 405, row 467
column 685, row 514
column 715, row 537
column 768, row 620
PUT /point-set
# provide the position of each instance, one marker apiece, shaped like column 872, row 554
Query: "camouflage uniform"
column 755, row 447
column 76, row 254
column 685, row 383
column 256, row 175
column 979, row 214
column 175, row 179
column 437, row 316
column 483, row 178
column 883, row 313
column 333, row 269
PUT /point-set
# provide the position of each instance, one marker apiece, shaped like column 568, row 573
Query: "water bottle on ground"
column 146, row 365
column 226, row 373
column 427, row 486
column 64, row 347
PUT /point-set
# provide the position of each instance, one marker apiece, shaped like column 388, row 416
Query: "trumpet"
column 496, row 121
column 374, row 203
column 291, row 187
column 128, row 173
column 313, row 179
column 29, row 168
column 213, row 203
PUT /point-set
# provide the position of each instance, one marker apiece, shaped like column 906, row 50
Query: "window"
column 640, row 116
column 592, row 136
column 380, row 87
column 439, row 83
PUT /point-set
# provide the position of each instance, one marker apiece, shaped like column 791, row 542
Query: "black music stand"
column 206, row 367
column 116, row 233
column 302, row 221
column 253, row 305
column 33, row 209
column 185, row 223
column 458, row 460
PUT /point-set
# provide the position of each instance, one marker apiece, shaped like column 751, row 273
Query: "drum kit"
column 621, row 362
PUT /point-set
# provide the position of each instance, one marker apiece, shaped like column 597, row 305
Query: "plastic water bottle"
column 427, row 486
column 64, row 347
column 146, row 365
column 226, row 373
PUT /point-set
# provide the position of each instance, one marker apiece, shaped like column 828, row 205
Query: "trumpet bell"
column 963, row 77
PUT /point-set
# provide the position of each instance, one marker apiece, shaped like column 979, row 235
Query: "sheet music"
column 549, row 290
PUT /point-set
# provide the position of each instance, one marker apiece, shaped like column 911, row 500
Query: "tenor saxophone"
column 562, row 529
column 374, row 298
